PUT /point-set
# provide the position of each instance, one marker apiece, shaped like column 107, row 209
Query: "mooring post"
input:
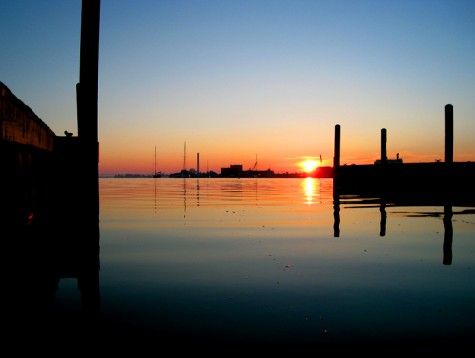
column 383, row 146
column 87, row 98
column 87, row 179
column 448, row 178
column 449, row 134
column 336, row 158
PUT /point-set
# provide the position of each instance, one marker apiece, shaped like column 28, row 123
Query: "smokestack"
column 198, row 164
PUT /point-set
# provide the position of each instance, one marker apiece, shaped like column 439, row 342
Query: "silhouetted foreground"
column 38, row 254
column 426, row 183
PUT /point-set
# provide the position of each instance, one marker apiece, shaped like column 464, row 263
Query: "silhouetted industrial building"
column 234, row 170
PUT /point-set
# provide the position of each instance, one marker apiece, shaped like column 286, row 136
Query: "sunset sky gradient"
column 240, row 79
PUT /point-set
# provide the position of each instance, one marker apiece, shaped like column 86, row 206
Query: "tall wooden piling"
column 86, row 183
column 87, row 98
column 449, row 134
column 384, row 156
column 336, row 158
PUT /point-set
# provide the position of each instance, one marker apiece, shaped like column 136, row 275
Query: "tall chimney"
column 198, row 164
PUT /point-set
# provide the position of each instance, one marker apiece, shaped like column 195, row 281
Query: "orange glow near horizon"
column 139, row 159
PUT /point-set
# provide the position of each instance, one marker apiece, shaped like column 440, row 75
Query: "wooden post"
column 86, row 182
column 383, row 146
column 87, row 94
column 449, row 134
column 336, row 158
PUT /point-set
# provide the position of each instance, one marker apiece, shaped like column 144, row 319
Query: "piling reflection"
column 382, row 210
column 336, row 213
column 38, row 256
column 359, row 200
column 448, row 235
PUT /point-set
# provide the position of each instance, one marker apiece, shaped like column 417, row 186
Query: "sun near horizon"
column 309, row 165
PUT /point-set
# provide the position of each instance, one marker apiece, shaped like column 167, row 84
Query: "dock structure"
column 384, row 156
column 336, row 157
column 50, row 193
column 391, row 178
column 20, row 125
column 27, row 148
column 449, row 134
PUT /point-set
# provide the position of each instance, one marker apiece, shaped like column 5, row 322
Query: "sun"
column 309, row 165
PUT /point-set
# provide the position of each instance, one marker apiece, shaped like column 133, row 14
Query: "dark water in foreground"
column 273, row 261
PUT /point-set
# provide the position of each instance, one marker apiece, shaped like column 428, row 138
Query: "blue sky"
column 236, row 79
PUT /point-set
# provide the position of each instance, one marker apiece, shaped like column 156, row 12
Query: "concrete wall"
column 20, row 124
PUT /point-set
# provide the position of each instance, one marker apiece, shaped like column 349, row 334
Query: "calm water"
column 264, row 260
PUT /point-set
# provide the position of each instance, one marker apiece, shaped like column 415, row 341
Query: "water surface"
column 274, row 260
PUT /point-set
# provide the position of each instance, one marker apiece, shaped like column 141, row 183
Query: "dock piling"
column 336, row 158
column 449, row 133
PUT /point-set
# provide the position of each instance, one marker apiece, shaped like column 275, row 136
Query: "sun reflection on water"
column 311, row 188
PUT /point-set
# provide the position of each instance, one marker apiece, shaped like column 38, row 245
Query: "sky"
column 253, row 82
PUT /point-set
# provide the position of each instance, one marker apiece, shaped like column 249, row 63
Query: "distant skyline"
column 240, row 79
